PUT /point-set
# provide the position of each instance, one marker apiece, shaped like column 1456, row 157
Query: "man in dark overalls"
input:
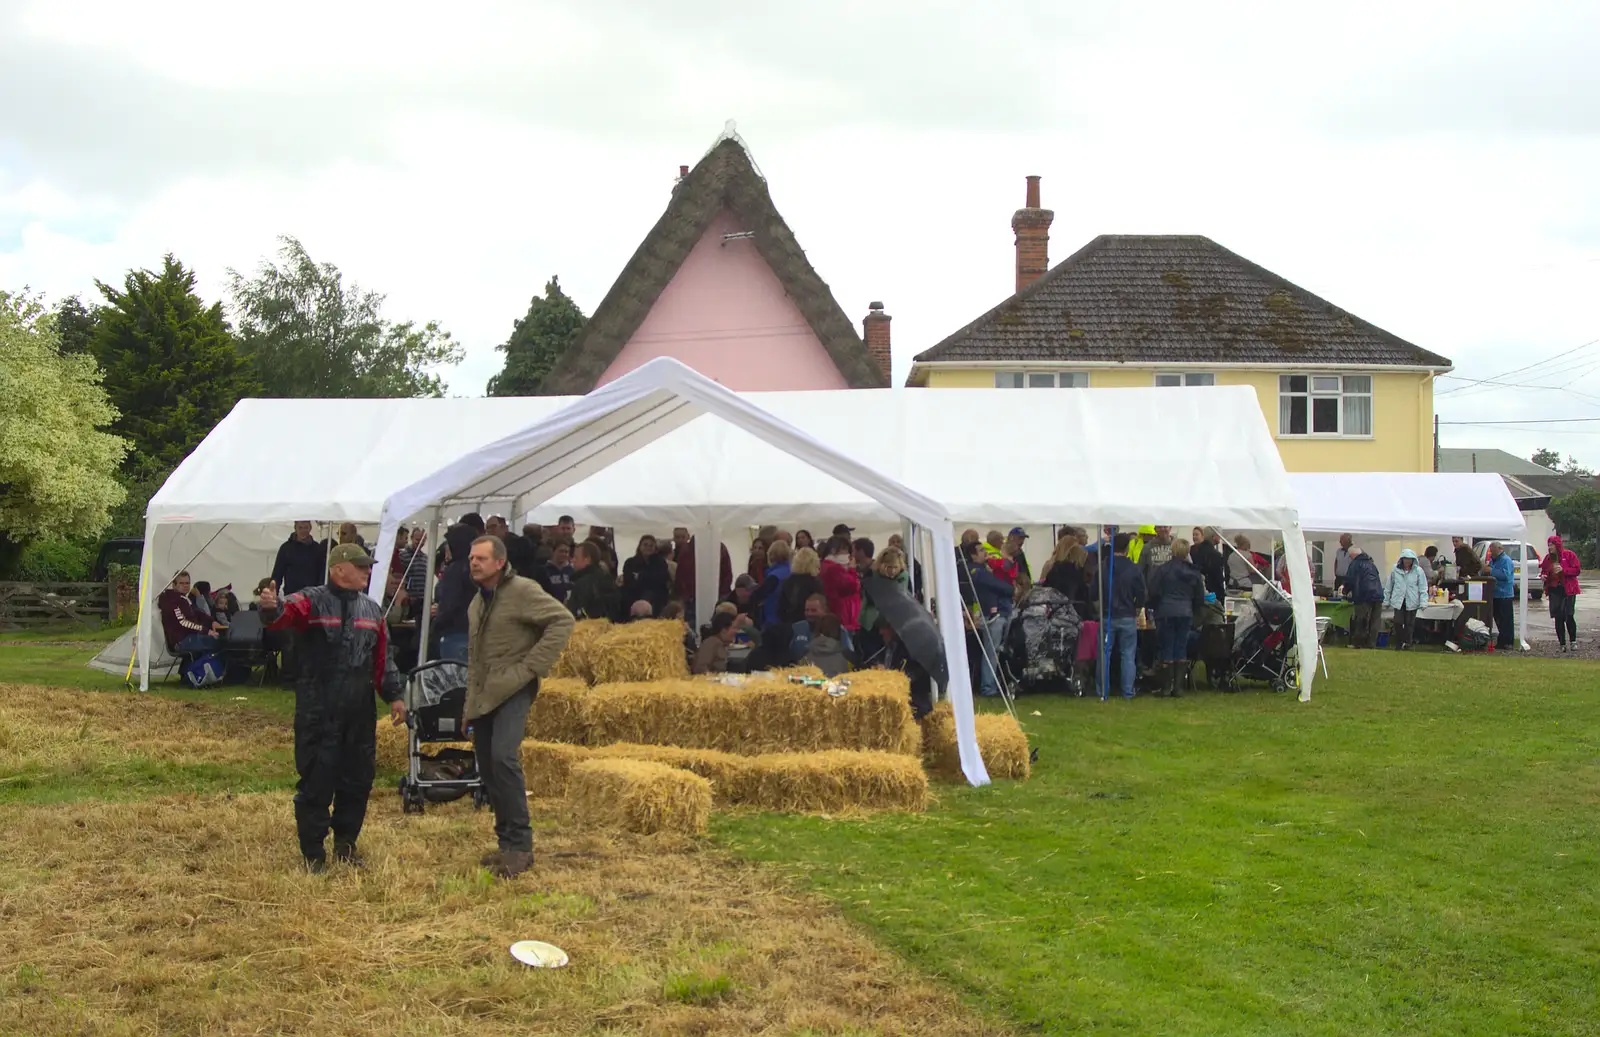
column 344, row 657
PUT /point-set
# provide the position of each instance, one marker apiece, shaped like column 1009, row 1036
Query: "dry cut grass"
column 188, row 915
column 59, row 730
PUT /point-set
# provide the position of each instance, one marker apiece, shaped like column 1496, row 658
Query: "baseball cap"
column 842, row 530
column 351, row 553
column 1018, row 531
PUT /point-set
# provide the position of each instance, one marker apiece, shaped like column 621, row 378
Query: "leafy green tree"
column 1577, row 516
column 1545, row 458
column 75, row 324
column 537, row 341
column 309, row 334
column 57, row 462
column 170, row 364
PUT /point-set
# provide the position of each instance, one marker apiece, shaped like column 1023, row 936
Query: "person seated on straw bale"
column 742, row 596
column 895, row 657
column 807, row 628
column 640, row 610
column 826, row 649
column 747, row 633
column 713, row 654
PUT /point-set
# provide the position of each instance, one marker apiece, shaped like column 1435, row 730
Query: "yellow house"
column 1339, row 394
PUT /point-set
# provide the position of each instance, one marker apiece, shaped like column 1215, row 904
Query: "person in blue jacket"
column 1505, row 595
column 1407, row 592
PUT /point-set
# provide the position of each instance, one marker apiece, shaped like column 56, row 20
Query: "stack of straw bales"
column 559, row 713
column 1000, row 740
column 644, row 650
column 576, row 658
column 760, row 717
column 639, row 796
column 827, row 782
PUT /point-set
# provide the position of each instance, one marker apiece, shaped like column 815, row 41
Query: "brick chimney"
column 1032, row 227
column 875, row 332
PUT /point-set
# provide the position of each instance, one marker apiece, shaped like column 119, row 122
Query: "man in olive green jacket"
column 515, row 633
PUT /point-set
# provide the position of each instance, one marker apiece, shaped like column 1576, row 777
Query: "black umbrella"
column 912, row 624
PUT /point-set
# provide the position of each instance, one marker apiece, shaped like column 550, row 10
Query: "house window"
column 1324, row 405
column 1041, row 380
column 1173, row 381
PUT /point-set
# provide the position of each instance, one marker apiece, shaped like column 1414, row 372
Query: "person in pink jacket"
column 1560, row 570
column 841, row 584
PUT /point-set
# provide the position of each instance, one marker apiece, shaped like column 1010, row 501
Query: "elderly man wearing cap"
column 344, row 659
column 1013, row 550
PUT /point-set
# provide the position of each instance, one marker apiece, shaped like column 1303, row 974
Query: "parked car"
column 126, row 551
column 1530, row 568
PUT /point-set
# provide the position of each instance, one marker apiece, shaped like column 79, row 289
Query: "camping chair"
column 1323, row 622
column 245, row 642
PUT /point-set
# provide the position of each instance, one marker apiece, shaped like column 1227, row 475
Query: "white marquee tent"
column 986, row 457
column 1402, row 505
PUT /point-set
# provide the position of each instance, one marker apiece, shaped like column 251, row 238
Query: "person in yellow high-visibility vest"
column 1136, row 541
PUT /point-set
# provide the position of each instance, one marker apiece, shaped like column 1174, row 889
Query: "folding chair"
column 1323, row 622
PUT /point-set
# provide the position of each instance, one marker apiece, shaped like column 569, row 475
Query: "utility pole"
column 1436, row 442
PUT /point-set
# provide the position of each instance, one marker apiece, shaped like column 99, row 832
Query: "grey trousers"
column 497, row 743
column 1365, row 623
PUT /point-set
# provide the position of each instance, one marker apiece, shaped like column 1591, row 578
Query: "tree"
column 1577, row 516
column 310, row 335
column 1544, row 458
column 170, row 363
column 75, row 324
column 537, row 341
column 57, row 463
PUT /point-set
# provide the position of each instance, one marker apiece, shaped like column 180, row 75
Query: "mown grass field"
column 1413, row 852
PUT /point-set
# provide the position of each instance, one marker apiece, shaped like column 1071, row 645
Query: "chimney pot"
column 875, row 306
column 683, row 171
column 1033, row 192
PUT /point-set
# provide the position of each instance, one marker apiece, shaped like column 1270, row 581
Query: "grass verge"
column 1412, row 852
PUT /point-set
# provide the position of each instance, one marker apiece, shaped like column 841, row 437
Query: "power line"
column 1528, row 367
column 1524, row 421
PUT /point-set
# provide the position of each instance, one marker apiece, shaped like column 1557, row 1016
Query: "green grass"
column 61, row 666
column 66, row 632
column 1415, row 851
column 694, row 988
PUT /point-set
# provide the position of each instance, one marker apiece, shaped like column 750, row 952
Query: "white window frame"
column 1340, row 392
column 1033, row 379
column 1183, row 378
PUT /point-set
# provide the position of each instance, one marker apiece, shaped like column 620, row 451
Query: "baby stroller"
column 1042, row 641
column 1264, row 643
column 436, row 706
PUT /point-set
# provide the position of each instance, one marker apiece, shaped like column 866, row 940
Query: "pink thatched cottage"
column 721, row 284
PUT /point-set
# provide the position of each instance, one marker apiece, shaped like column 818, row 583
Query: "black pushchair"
column 1042, row 641
column 436, row 706
column 1264, row 643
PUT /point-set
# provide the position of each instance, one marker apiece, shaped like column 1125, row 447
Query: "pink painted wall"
column 725, row 314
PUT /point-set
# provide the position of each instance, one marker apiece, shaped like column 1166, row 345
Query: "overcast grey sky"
column 1427, row 166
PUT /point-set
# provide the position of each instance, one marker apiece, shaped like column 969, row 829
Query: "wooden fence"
column 25, row 605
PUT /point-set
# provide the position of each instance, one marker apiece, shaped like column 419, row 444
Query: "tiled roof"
column 1524, row 473
column 1137, row 298
column 724, row 179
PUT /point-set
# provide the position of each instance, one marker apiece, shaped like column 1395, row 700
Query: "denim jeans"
column 197, row 644
column 991, row 634
column 453, row 646
column 1173, row 634
column 1125, row 649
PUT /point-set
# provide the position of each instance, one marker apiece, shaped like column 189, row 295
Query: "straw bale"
column 1000, row 741
column 834, row 781
column 895, row 684
column 760, row 717
column 644, row 650
column 575, row 657
column 558, row 713
column 1003, row 745
column 547, row 766
column 639, row 796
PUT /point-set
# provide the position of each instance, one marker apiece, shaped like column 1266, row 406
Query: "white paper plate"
column 538, row 954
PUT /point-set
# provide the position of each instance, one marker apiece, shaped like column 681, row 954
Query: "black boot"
column 1180, row 678
column 1163, row 681
column 348, row 855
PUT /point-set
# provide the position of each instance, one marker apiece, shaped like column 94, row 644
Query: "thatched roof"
column 724, row 179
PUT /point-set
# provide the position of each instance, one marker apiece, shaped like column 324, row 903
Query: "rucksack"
column 204, row 670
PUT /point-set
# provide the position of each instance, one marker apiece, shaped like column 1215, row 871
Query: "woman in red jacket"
column 841, row 584
column 1560, row 571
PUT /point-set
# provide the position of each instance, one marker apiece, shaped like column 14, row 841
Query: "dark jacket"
column 1066, row 579
column 1128, row 592
column 300, row 564
column 994, row 594
column 1177, row 590
column 456, row 589
column 343, row 653
column 1213, row 568
column 793, row 594
column 594, row 594
column 558, row 581
column 1363, row 580
column 179, row 618
column 647, row 579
